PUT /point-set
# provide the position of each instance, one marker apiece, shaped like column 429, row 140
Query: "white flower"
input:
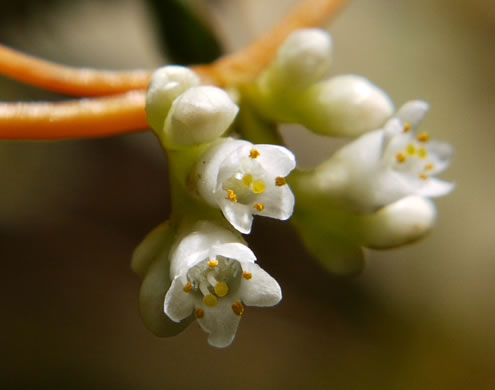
column 388, row 164
column 214, row 276
column 243, row 180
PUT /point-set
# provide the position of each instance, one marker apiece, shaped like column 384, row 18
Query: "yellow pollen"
column 280, row 181
column 188, row 287
column 401, row 157
column 231, row 196
column 254, row 154
column 212, row 263
column 422, row 153
column 210, row 300
column 259, row 206
column 423, row 137
column 407, row 127
column 423, row 176
column 429, row 167
column 411, row 149
column 221, row 289
column 199, row 313
column 247, row 180
column 247, row 275
column 238, row 308
column 259, row 186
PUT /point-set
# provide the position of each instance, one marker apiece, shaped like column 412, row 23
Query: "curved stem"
column 97, row 117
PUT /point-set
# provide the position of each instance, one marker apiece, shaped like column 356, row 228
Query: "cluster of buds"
column 375, row 192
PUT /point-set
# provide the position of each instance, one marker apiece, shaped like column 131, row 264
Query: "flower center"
column 214, row 279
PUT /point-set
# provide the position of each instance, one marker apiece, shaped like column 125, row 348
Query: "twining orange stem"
column 125, row 113
column 97, row 117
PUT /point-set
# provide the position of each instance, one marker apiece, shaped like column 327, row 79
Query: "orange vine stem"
column 97, row 117
column 119, row 114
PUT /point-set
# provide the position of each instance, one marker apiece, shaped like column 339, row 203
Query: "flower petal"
column 440, row 155
column 261, row 289
column 413, row 112
column 239, row 215
column 434, row 188
column 178, row 303
column 220, row 323
column 276, row 160
column 278, row 204
column 235, row 250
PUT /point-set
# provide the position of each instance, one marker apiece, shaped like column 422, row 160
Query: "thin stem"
column 97, row 117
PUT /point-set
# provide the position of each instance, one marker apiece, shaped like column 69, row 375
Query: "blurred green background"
column 71, row 213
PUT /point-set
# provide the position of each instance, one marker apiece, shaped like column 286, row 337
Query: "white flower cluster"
column 374, row 192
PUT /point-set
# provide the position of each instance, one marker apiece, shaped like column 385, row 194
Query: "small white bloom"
column 199, row 115
column 346, row 105
column 388, row 164
column 243, row 180
column 166, row 84
column 213, row 276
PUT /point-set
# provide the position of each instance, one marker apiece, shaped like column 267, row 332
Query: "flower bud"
column 166, row 84
column 347, row 105
column 303, row 59
column 399, row 223
column 199, row 115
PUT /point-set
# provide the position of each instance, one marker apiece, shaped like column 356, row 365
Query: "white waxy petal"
column 279, row 205
column 166, row 84
column 235, row 250
column 220, row 323
column 413, row 112
column 178, row 303
column 200, row 115
column 239, row 215
column 434, row 188
column 276, row 160
column 260, row 289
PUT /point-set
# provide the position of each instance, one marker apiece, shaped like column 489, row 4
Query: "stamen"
column 429, row 167
column 203, row 287
column 212, row 263
column 259, row 206
column 247, row 180
column 254, row 154
column 238, row 308
column 407, row 127
column 280, row 181
column 210, row 300
column 247, row 275
column 188, row 287
column 423, row 176
column 221, row 289
column 231, row 195
column 411, row 149
column 422, row 153
column 259, row 187
column 423, row 137
column 199, row 313
column 401, row 158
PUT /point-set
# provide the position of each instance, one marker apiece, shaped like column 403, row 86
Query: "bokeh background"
column 72, row 212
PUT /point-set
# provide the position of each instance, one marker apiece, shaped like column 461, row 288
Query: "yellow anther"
column 247, row 180
column 210, row 300
column 221, row 289
column 429, row 167
column 423, row 176
column 259, row 206
column 188, row 287
column 280, row 181
column 231, row 195
column 199, row 313
column 254, row 153
column 411, row 149
column 238, row 308
column 407, row 127
column 259, row 186
column 422, row 153
column 401, row 157
column 247, row 275
column 212, row 263
column 423, row 137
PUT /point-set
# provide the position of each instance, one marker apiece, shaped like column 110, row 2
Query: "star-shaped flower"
column 214, row 275
column 243, row 180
